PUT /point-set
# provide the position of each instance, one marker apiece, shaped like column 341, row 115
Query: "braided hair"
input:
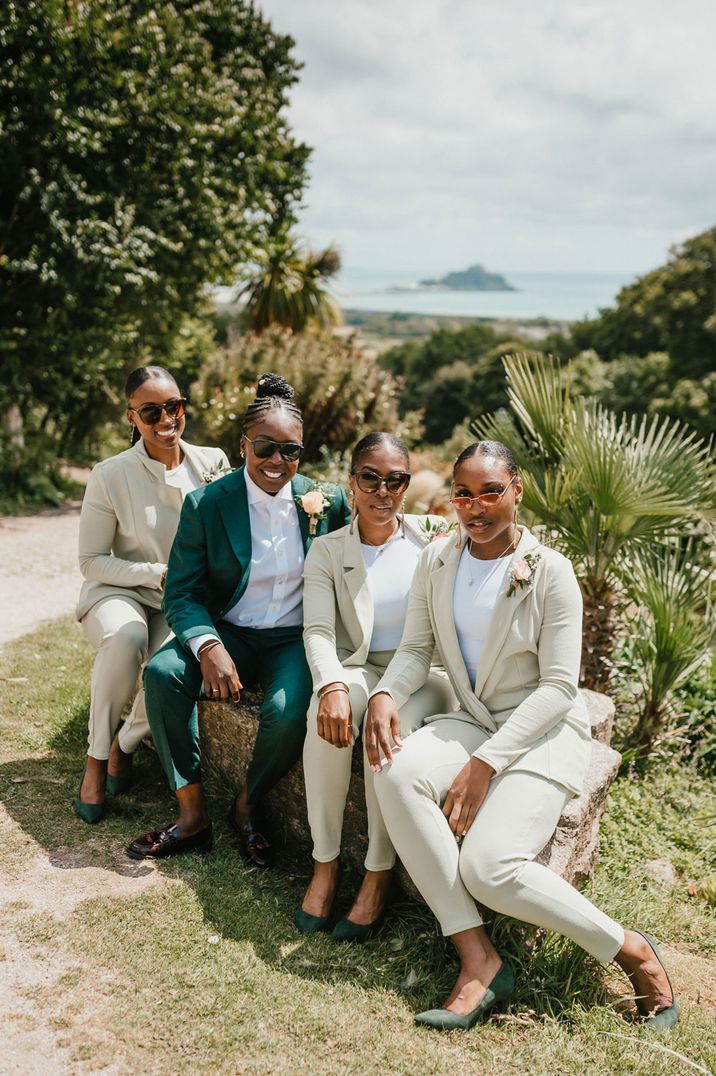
column 272, row 392
column 378, row 439
column 136, row 379
column 496, row 449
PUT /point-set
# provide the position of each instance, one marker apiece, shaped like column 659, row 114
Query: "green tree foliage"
column 289, row 287
column 604, row 486
column 451, row 377
column 671, row 309
column 143, row 154
column 341, row 390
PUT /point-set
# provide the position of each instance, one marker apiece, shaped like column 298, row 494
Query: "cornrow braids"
column 496, row 449
column 272, row 391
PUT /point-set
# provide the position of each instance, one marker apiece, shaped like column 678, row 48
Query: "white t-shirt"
column 183, row 478
column 477, row 586
column 390, row 569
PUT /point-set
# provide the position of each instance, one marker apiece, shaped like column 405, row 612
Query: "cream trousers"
column 125, row 634
column 494, row 864
column 327, row 769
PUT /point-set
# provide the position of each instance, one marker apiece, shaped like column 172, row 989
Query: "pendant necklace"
column 481, row 586
column 380, row 549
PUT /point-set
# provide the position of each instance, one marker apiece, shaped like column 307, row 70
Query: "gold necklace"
column 379, row 545
column 471, row 582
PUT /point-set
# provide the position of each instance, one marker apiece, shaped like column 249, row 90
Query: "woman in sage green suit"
column 474, row 796
column 356, row 586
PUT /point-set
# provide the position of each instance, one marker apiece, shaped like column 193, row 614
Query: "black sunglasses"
column 151, row 413
column 395, row 482
column 264, row 447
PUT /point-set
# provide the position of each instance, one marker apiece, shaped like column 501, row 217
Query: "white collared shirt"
column 274, row 594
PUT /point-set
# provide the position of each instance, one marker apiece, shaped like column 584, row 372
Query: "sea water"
column 560, row 296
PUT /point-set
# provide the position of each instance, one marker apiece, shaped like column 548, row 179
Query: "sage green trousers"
column 272, row 658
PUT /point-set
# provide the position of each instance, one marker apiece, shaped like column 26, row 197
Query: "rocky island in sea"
column 476, row 278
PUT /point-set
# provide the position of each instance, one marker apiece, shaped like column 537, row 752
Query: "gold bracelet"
column 330, row 689
column 208, row 645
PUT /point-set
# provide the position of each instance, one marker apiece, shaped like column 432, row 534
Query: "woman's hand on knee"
column 334, row 719
column 466, row 796
column 381, row 723
column 221, row 680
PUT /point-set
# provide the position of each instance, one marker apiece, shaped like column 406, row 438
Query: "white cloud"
column 550, row 136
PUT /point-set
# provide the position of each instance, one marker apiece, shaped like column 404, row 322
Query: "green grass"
column 205, row 971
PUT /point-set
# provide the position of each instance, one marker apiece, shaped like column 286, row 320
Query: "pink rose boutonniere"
column 522, row 573
column 314, row 503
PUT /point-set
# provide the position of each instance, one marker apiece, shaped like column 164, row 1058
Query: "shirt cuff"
column 198, row 641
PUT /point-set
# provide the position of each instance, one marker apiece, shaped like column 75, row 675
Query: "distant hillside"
column 476, row 278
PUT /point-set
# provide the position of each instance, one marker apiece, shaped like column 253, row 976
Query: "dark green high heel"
column 88, row 812
column 117, row 786
column 668, row 1017
column 500, row 989
column 310, row 924
column 347, row 931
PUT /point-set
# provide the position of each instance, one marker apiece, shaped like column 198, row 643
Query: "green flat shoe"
column 668, row 1017
column 346, row 931
column 88, row 812
column 310, row 924
column 117, row 786
column 500, row 989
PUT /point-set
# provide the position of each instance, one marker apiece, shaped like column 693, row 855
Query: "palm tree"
column 602, row 485
column 289, row 287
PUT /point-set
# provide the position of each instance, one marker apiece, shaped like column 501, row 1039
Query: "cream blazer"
column 338, row 604
column 525, row 695
column 128, row 522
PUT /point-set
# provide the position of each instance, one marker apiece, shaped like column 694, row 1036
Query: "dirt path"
column 39, row 576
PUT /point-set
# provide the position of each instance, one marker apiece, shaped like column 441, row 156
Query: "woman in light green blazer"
column 474, row 796
column 356, row 586
column 129, row 517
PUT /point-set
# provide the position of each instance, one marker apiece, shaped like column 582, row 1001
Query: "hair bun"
column 274, row 385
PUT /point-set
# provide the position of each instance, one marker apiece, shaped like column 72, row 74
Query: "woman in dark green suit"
column 233, row 598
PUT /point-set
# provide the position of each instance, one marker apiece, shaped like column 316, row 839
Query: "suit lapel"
column 234, row 510
column 503, row 614
column 355, row 578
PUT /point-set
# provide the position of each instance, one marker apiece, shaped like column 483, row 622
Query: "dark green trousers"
column 273, row 658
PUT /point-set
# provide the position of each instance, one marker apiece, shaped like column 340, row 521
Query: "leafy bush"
column 340, row 389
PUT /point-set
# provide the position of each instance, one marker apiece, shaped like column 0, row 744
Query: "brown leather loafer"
column 162, row 843
column 253, row 846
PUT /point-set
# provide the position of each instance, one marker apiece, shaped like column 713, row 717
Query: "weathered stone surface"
column 228, row 733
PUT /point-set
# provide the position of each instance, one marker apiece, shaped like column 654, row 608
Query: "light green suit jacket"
column 525, row 696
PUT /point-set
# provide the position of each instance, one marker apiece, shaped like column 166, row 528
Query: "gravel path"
column 39, row 576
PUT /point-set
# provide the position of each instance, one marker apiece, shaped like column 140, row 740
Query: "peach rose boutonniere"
column 433, row 530
column 314, row 503
column 522, row 573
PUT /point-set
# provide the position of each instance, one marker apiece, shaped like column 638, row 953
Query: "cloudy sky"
column 560, row 135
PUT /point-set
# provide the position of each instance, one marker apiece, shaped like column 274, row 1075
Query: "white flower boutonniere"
column 214, row 473
column 314, row 503
column 443, row 528
column 522, row 574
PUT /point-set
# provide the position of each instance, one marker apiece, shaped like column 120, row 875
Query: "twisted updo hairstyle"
column 272, row 392
column 136, row 379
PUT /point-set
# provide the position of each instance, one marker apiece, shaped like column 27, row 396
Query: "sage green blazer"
column 338, row 604
column 128, row 521
column 210, row 561
column 526, row 696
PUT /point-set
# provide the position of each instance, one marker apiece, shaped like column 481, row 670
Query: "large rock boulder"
column 227, row 736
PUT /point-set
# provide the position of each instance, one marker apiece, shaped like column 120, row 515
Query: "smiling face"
column 490, row 527
column 272, row 473
column 161, row 438
column 381, row 508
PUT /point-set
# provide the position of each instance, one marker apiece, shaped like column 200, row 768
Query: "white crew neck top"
column 183, row 478
column 477, row 586
column 390, row 569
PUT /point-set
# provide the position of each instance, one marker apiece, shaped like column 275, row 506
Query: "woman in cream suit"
column 129, row 518
column 355, row 598
column 474, row 796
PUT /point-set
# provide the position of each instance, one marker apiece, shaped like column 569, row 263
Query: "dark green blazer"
column 210, row 559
